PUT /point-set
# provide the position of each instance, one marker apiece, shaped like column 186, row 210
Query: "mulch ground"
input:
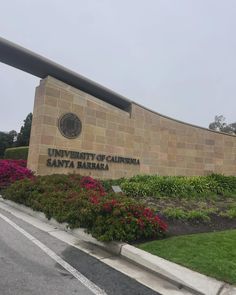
column 178, row 227
column 217, row 223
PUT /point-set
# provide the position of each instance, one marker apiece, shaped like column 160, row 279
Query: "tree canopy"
column 14, row 139
column 23, row 136
column 7, row 139
column 220, row 125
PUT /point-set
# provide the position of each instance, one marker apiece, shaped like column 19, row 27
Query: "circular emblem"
column 70, row 125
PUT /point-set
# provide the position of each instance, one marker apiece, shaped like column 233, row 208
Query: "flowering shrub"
column 128, row 220
column 82, row 202
column 12, row 170
column 92, row 184
column 22, row 163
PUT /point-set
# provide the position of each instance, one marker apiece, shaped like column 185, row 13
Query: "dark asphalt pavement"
column 26, row 269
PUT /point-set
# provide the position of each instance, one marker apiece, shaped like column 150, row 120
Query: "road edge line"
column 157, row 265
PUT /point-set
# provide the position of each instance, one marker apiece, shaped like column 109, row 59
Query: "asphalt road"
column 26, row 269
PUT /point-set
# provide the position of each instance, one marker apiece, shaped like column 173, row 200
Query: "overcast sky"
column 177, row 57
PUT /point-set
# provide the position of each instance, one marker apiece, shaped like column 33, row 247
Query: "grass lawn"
column 212, row 254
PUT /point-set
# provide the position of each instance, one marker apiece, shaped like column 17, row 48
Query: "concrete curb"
column 180, row 276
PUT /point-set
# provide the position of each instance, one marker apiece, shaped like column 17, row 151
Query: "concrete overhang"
column 39, row 66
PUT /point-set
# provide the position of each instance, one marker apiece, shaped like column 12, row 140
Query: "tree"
column 7, row 139
column 220, row 125
column 23, row 136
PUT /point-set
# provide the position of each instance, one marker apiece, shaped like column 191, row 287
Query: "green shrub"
column 179, row 186
column 160, row 186
column 224, row 183
column 17, row 153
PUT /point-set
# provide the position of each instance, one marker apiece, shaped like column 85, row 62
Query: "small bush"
column 83, row 202
column 200, row 215
column 11, row 171
column 175, row 213
column 230, row 213
column 191, row 215
column 17, row 153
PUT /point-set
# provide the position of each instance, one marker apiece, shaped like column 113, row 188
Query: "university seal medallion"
column 70, row 125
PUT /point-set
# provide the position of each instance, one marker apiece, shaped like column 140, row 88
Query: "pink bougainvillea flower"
column 13, row 170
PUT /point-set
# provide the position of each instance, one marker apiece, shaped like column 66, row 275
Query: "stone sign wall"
column 74, row 132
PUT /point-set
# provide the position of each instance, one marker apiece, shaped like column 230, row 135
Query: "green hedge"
column 17, row 153
column 177, row 186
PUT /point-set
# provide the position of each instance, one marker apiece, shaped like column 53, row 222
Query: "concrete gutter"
column 180, row 276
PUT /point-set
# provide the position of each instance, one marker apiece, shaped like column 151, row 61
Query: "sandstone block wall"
column 162, row 145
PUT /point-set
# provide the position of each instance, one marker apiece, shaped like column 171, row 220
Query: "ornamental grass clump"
column 13, row 170
column 83, row 202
